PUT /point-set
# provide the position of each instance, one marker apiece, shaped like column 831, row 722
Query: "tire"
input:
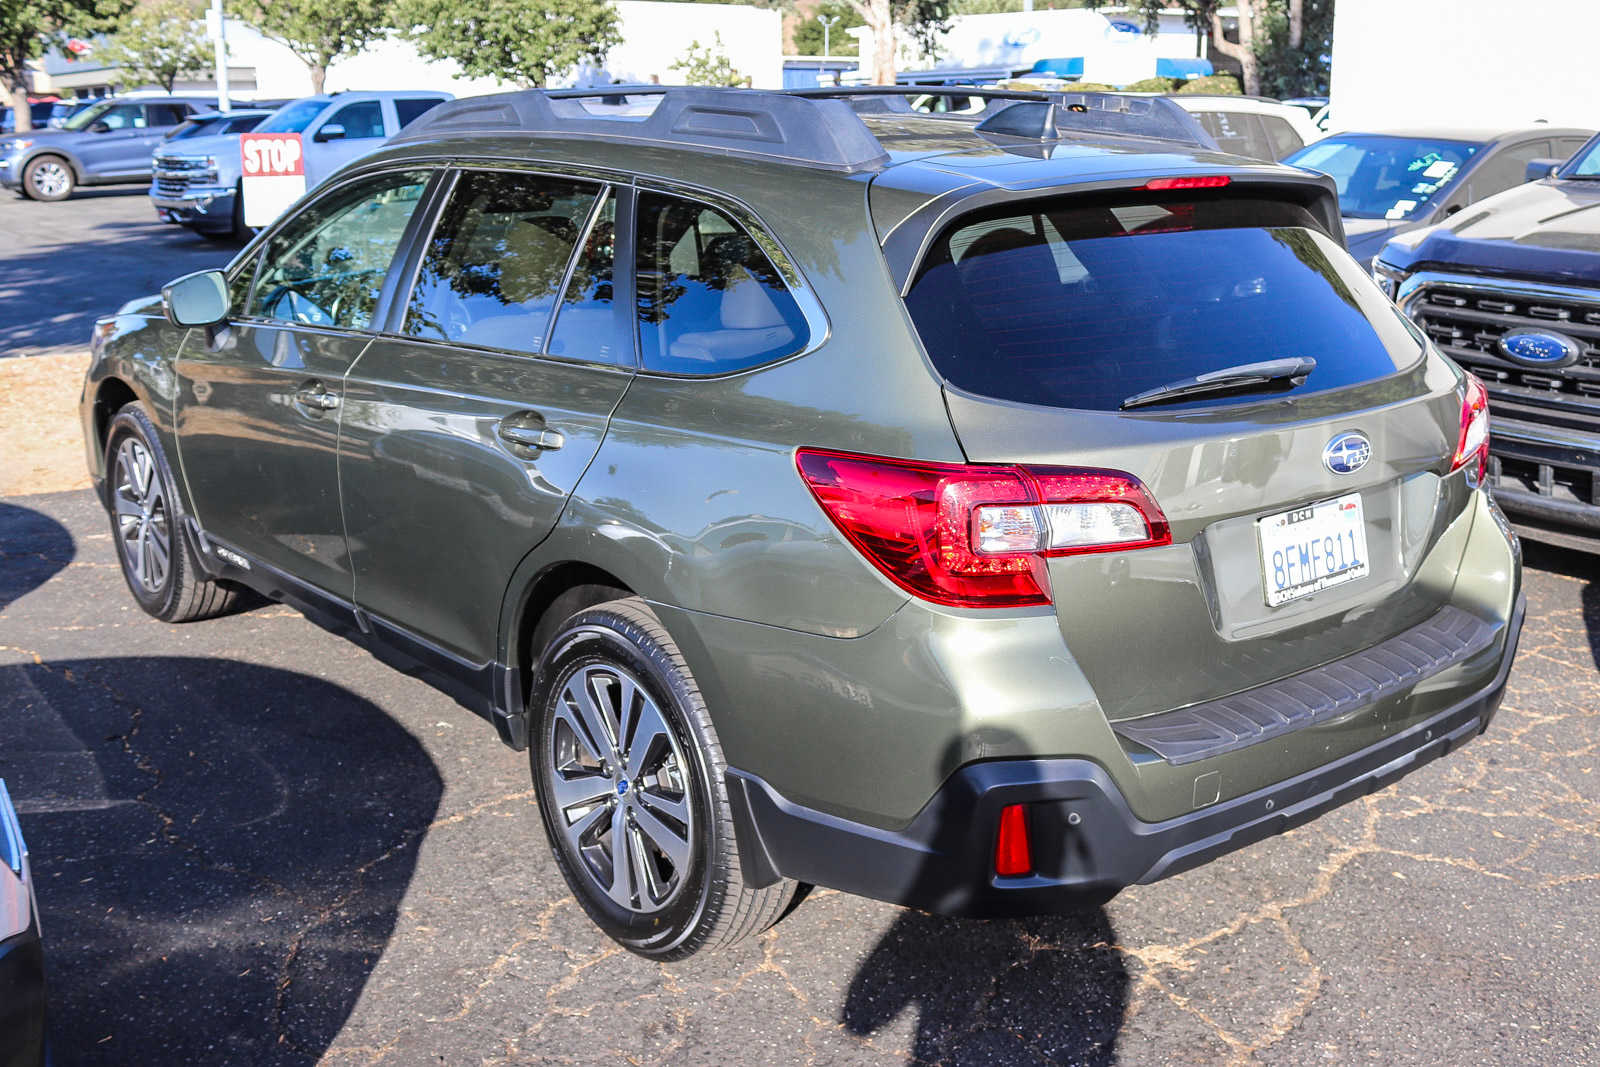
column 665, row 903
column 48, row 178
column 141, row 501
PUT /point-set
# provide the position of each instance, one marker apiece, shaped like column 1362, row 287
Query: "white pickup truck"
column 196, row 182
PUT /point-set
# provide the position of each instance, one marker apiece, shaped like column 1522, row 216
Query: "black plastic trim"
column 1087, row 843
column 1229, row 723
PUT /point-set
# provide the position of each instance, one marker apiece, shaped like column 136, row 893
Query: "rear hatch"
column 1300, row 511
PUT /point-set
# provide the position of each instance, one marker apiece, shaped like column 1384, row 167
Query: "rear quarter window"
column 1081, row 303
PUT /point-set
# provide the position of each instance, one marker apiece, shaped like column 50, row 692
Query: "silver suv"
column 107, row 144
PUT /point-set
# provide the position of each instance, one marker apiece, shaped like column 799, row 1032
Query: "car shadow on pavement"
column 1050, row 988
column 33, row 548
column 220, row 850
column 1581, row 566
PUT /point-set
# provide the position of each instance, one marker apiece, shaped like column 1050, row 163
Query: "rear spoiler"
column 906, row 244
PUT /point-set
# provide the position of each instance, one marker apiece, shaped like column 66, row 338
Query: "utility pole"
column 827, row 24
column 216, row 23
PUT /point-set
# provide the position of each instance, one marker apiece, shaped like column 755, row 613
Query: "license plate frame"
column 1308, row 549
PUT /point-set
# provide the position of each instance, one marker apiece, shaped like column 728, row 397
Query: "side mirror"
column 99, row 127
column 198, row 299
column 1540, row 169
column 331, row 132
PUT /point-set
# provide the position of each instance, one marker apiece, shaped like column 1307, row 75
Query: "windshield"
column 1585, row 163
column 197, row 127
column 293, row 118
column 1386, row 177
column 88, row 115
column 1081, row 303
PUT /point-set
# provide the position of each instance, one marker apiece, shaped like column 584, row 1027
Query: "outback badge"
column 1347, row 453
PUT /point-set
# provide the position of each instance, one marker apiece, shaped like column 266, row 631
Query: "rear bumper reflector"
column 1204, row 730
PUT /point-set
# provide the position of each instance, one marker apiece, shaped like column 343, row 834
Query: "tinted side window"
column 588, row 325
column 1237, row 132
column 709, row 300
column 166, row 114
column 361, row 119
column 327, row 265
column 1507, row 168
column 1281, row 134
column 407, row 111
column 493, row 270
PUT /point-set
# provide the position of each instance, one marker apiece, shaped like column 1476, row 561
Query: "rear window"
column 1082, row 303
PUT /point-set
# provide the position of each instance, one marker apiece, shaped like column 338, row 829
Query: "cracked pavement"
column 255, row 843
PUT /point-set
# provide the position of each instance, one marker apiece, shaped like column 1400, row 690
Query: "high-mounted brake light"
column 1197, row 181
column 1473, row 442
column 971, row 535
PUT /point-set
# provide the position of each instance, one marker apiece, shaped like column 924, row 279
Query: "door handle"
column 527, row 429
column 315, row 395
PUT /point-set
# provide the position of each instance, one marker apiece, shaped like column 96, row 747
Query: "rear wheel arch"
column 556, row 593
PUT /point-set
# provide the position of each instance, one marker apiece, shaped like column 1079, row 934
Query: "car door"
column 160, row 119
column 259, row 402
column 347, row 132
column 467, row 425
column 111, row 140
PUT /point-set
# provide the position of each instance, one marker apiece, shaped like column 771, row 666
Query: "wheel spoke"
column 579, row 790
column 646, row 881
column 580, row 734
column 672, row 844
column 651, row 731
column 675, row 808
column 125, row 507
column 598, row 730
column 159, row 557
column 621, row 888
column 586, row 822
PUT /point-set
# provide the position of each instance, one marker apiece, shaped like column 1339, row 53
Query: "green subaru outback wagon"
column 982, row 513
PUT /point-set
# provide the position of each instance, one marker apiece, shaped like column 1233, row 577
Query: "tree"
column 924, row 20
column 160, row 41
column 26, row 30
column 1294, row 43
column 708, row 65
column 1260, row 39
column 808, row 35
column 321, row 32
column 529, row 42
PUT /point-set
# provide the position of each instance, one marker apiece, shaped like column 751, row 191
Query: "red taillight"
column 977, row 536
column 1012, row 856
column 1473, row 442
column 1197, row 181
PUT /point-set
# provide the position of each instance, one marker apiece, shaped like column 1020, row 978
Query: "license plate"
column 1313, row 548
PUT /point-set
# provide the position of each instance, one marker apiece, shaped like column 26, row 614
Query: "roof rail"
column 1041, row 115
column 747, row 123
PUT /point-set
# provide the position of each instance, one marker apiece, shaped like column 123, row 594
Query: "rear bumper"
column 1087, row 843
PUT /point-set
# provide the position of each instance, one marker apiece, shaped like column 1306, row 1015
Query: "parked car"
column 40, row 110
column 1511, row 290
column 809, row 491
column 1251, row 126
column 62, row 110
column 210, row 123
column 1393, row 182
column 22, row 995
column 107, row 144
column 197, row 182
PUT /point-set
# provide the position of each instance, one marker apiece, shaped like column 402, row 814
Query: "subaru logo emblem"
column 1347, row 453
column 622, row 787
column 1540, row 348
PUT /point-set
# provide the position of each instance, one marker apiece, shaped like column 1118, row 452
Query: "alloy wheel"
column 50, row 179
column 619, row 783
column 143, row 523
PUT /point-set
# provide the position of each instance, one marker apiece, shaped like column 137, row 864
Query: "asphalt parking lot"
column 254, row 843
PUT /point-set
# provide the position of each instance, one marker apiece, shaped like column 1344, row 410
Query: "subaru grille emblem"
column 1540, row 348
column 1347, row 453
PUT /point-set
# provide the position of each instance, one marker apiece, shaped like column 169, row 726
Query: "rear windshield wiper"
column 1240, row 379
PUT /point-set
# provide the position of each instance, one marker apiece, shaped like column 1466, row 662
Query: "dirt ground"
column 41, row 445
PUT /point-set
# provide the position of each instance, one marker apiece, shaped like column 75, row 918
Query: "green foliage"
column 1151, row 85
column 1286, row 71
column 160, row 42
column 529, row 42
column 320, row 32
column 708, row 65
column 1214, row 85
column 808, row 34
column 926, row 21
column 28, row 27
